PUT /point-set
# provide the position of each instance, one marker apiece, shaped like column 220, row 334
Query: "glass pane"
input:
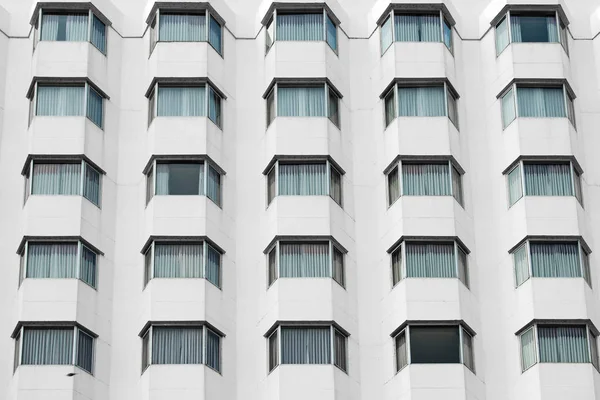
column 417, row 28
column 502, row 39
column 182, row 27
column 304, row 260
column 430, row 260
column 17, row 352
column 273, row 351
column 270, row 107
column 393, row 186
column 45, row 346
column 452, row 109
column 213, row 187
column 434, row 345
column 335, row 186
column 463, row 271
column 563, row 344
column 426, row 180
column 214, row 36
column 555, row 260
column 305, row 27
column 95, row 107
column 178, row 260
column 149, row 186
column 176, row 345
column 338, row 266
column 271, row 186
column 269, row 35
column 339, row 351
column 306, row 345
column 85, row 351
column 528, row 350
column 87, row 271
column 541, row 102
column 91, row 185
column 151, row 108
column 214, row 107
column 521, row 265
column 52, row 260
column 56, row 179
column 386, row 35
column 457, row 190
column 401, row 355
column 213, row 266
column 213, row 350
column 302, row 179
column 331, row 33
column 147, row 266
column 333, row 108
column 578, row 190
column 422, row 101
column 467, row 348
column 564, row 38
column 508, row 108
column 397, row 270
column 548, row 180
column 533, row 29
column 515, row 185
column 301, row 101
column 571, row 110
column 98, row 38
column 65, row 27
column 60, row 101
column 146, row 351
column 181, row 101
column 179, row 179
column 447, row 35
column 390, row 108
column 273, row 273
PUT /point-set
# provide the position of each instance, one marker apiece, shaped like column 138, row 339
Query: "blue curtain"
column 98, row 38
column 563, row 344
column 533, row 29
column 213, row 187
column 502, row 39
column 60, row 101
column 85, row 351
column 430, row 260
column 303, row 179
column 548, row 180
column 87, row 271
column 45, row 346
column 56, row 179
column 214, row 106
column 301, row 101
column 540, row 102
column 213, row 350
column 213, row 266
column 521, row 265
column 174, row 345
column 299, row 27
column 181, row 101
column 386, row 35
column 331, row 33
column 304, row 260
column 65, row 27
column 91, row 185
column 94, row 107
column 528, row 349
column 555, row 260
column 178, row 260
column 214, row 35
column 52, row 260
column 422, row 101
column 305, row 345
column 417, row 28
column 182, row 27
column 426, row 180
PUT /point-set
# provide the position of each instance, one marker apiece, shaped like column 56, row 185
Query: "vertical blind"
column 426, row 180
column 56, row 179
column 60, row 100
column 563, row 344
column 553, row 260
column 301, row 101
column 430, row 260
column 176, row 345
column 306, row 345
column 421, row 101
column 541, row 102
column 417, row 28
column 181, row 101
column 182, row 27
column 303, row 179
column 548, row 180
column 304, row 260
column 65, row 27
column 305, row 27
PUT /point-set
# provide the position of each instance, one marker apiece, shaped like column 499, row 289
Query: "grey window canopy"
column 302, row 159
column 531, row 8
column 299, row 8
column 423, row 159
column 417, row 9
column 58, row 158
column 50, row 324
column 429, row 239
column 180, row 240
column 67, row 7
column 183, row 82
column 63, row 81
column 180, row 158
column 301, row 82
column 56, row 239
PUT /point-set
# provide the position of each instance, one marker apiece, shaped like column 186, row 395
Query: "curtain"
column 214, row 106
column 430, row 260
column 178, row 260
column 457, row 190
column 528, row 350
column 303, row 179
column 541, row 102
column 548, row 180
column 515, row 28
column 47, row 346
column 338, row 266
column 181, row 101
column 65, row 27
column 417, row 28
column 515, row 185
column 87, row 271
column 60, row 101
column 331, row 33
column 214, row 34
column 447, row 35
column 213, row 266
column 386, row 35
column 176, row 345
column 393, row 186
column 563, row 344
column 162, row 179
column 508, row 108
column 397, row 270
column 98, row 38
column 422, row 101
column 463, row 272
column 94, row 107
column 339, row 351
column 52, row 260
column 534, row 29
column 555, row 260
column 426, row 180
column 467, row 350
column 301, row 101
column 306, row 260
column 85, row 351
column 521, row 265
column 299, row 27
column 502, row 39
column 182, row 28
column 213, row 350
column 306, row 345
column 49, row 29
column 91, row 185
column 213, row 188
column 390, row 108
column 401, row 355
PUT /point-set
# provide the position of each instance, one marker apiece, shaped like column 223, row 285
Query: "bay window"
column 308, row 344
column 424, row 178
column 185, row 344
column 550, row 342
column 303, row 99
column 417, row 258
column 537, row 100
column 64, row 259
column 311, row 258
column 304, row 178
column 540, row 258
column 543, row 178
column 421, row 99
column 71, row 177
column 434, row 344
column 190, row 258
column 58, row 344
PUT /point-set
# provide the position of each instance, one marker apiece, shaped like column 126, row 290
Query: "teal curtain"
column 181, row 101
column 521, row 265
column 331, row 33
column 304, row 27
column 176, row 345
column 178, row 260
column 87, row 271
column 60, row 101
column 213, row 187
column 417, row 28
column 56, row 179
column 430, row 260
column 508, row 108
column 306, row 345
column 94, row 107
column 303, row 179
column 386, row 35
column 304, row 260
column 46, row 346
column 85, row 351
column 534, row 29
column 555, row 260
column 502, row 39
column 563, row 344
column 65, row 27
column 213, row 266
column 301, row 101
column 98, row 38
column 528, row 349
column 541, row 102
column 548, row 180
column 213, row 350
column 91, row 185
column 515, row 185
column 426, row 180
column 214, row 35
column 182, row 28
column 52, row 260
column 447, row 35
column 426, row 101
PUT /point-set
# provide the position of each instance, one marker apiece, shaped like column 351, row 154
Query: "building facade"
column 289, row 200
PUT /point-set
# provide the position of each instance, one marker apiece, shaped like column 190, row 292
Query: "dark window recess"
column 434, row 345
column 184, row 179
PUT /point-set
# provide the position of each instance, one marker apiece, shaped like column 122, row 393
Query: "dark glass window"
column 434, row 345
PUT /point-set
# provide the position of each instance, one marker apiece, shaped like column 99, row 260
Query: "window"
column 544, row 259
column 59, row 260
column 67, row 100
column 565, row 343
column 308, row 345
column 176, row 259
column 437, row 100
column 185, row 101
column 424, row 179
column 73, row 27
column 431, row 344
column 416, row 27
column 173, row 344
column 544, row 179
column 530, row 27
column 183, row 178
column 55, row 178
column 317, row 25
column 50, row 345
column 537, row 102
column 310, row 100
column 310, row 178
column 429, row 260
column 306, row 259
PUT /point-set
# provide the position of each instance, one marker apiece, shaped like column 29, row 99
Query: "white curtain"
column 417, row 28
column 52, row 260
column 45, row 346
column 305, row 27
column 528, row 349
column 176, row 345
column 301, row 101
column 56, row 179
column 563, row 344
column 304, row 260
column 181, row 101
column 303, row 179
column 182, row 27
column 555, row 260
column 426, row 180
column 422, row 101
column 541, row 102
column 178, row 260
column 548, row 180
column 60, row 101
column 306, row 345
column 430, row 260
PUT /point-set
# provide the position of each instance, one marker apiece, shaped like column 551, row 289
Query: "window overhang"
column 57, row 239
column 429, row 239
column 302, row 159
column 179, row 240
column 538, row 83
column 184, row 82
column 559, row 322
column 50, row 324
column 67, row 7
column 416, row 9
column 179, row 324
column 545, row 159
column 433, row 324
column 305, row 324
column 184, row 7
column 182, row 157
column 63, row 81
column 533, row 8
column 423, row 159
column 418, row 82
column 299, row 8
column 300, row 82
column 58, row 158
column 304, row 239
column 551, row 238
